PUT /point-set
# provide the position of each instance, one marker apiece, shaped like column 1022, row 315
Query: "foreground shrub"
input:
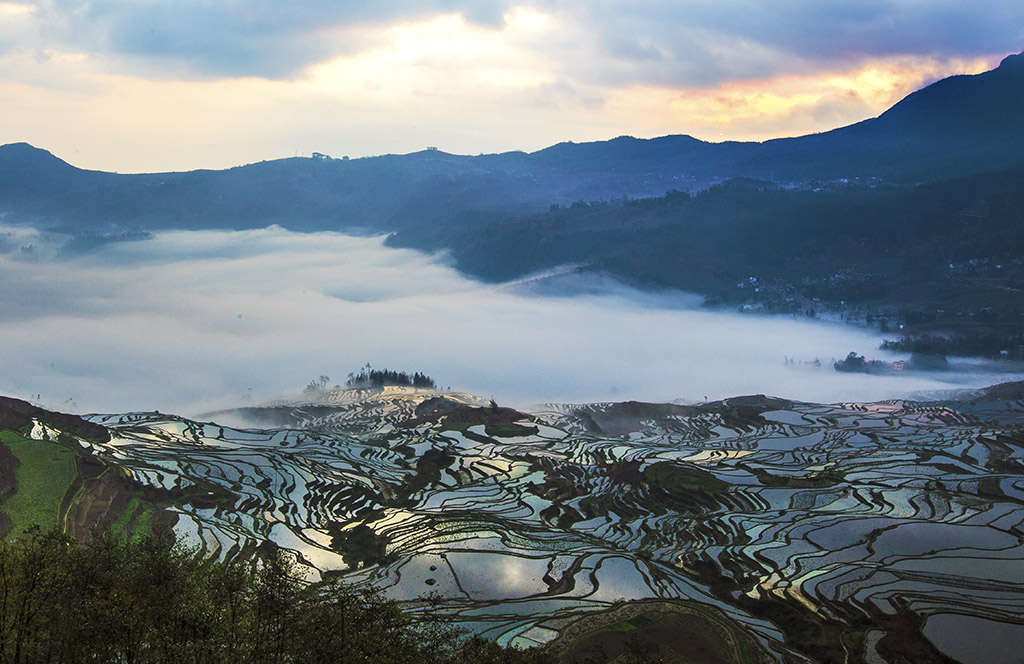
column 150, row 600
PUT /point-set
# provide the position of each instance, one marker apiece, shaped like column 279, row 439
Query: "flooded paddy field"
column 856, row 531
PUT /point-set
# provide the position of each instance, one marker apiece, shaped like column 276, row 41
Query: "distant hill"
column 957, row 126
column 949, row 246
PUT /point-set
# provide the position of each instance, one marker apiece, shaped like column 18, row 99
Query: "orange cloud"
column 788, row 105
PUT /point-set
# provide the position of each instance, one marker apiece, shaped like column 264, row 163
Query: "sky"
column 192, row 321
column 158, row 85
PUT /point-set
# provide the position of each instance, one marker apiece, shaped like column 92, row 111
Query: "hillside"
column 950, row 245
column 762, row 528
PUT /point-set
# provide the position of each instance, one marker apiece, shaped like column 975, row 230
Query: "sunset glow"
column 468, row 79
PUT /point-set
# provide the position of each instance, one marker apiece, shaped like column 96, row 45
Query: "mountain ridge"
column 430, row 187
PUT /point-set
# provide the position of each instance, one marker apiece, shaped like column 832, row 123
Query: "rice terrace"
column 752, row 529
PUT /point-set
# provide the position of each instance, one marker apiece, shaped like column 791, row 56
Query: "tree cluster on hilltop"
column 370, row 377
column 153, row 601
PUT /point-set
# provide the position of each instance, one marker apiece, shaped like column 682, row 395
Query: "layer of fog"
column 191, row 321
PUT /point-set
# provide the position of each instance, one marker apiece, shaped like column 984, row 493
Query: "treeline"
column 153, row 601
column 369, row 377
column 991, row 344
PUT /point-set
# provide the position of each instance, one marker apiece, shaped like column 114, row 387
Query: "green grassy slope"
column 44, row 475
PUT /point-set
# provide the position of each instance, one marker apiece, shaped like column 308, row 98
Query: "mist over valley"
column 187, row 321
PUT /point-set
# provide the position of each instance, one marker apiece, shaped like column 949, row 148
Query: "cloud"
column 240, row 38
column 692, row 44
column 192, row 321
column 705, row 43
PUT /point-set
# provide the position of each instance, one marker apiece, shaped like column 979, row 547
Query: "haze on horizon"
column 184, row 84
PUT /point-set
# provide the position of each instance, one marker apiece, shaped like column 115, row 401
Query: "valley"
column 911, row 218
column 704, row 485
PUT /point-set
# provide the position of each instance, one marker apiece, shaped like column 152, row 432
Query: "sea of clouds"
column 192, row 321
